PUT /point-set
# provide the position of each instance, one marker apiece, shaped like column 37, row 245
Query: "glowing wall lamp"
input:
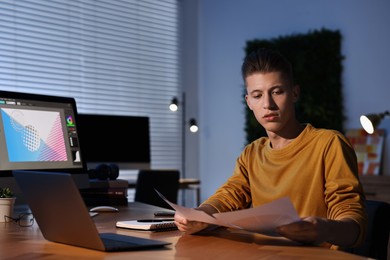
column 371, row 121
column 193, row 127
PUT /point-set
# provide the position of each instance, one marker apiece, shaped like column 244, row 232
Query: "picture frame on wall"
column 369, row 150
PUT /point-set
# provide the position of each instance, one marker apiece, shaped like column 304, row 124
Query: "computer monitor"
column 115, row 139
column 39, row 132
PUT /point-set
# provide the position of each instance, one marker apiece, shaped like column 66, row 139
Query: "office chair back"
column 376, row 243
column 165, row 181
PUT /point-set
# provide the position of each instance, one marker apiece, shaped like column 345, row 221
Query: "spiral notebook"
column 148, row 224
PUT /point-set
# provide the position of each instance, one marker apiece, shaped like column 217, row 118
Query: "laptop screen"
column 38, row 132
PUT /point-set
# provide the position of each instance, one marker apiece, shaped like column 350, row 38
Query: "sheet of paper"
column 263, row 219
column 190, row 213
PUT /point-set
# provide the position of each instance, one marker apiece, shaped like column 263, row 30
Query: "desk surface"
column 28, row 243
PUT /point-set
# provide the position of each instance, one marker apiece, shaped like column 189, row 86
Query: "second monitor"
column 115, row 139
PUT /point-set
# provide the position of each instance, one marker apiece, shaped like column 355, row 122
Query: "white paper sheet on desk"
column 263, row 219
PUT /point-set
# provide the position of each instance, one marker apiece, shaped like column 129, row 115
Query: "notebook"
column 62, row 216
column 148, row 224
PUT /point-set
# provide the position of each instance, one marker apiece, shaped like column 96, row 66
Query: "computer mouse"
column 104, row 209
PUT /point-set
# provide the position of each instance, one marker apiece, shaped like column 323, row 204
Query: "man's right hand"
column 187, row 226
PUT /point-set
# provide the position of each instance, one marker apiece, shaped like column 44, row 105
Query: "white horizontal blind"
column 113, row 56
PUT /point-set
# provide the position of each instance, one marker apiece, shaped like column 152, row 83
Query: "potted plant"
column 7, row 201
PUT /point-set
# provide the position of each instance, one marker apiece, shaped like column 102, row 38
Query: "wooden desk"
column 27, row 243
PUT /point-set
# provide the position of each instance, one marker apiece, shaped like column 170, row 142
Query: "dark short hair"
column 264, row 61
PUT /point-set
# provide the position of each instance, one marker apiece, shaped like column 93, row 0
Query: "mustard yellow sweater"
column 317, row 171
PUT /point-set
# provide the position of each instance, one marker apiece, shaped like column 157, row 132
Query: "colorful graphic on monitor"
column 33, row 135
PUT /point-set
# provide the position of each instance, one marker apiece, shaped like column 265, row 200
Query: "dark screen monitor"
column 39, row 132
column 115, row 139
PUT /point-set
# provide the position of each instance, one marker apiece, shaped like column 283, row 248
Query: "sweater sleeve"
column 344, row 194
column 235, row 193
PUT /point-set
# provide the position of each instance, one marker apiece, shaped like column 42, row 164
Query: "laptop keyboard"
column 117, row 245
column 117, row 242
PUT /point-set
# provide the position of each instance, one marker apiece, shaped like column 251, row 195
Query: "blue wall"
column 219, row 29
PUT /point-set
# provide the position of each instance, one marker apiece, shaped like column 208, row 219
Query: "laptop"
column 62, row 216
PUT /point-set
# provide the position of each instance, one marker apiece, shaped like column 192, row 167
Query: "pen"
column 164, row 213
column 155, row 220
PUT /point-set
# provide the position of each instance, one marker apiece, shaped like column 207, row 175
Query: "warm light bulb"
column 194, row 128
column 174, row 104
column 366, row 124
column 173, row 107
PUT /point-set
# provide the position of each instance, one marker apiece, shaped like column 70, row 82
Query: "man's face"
column 271, row 98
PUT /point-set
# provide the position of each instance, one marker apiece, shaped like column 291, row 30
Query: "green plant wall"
column 317, row 65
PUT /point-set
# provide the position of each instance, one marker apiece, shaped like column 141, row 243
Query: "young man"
column 315, row 168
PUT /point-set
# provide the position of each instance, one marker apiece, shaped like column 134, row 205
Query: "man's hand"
column 315, row 230
column 189, row 227
column 310, row 230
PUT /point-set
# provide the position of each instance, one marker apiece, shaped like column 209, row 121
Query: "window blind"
column 114, row 57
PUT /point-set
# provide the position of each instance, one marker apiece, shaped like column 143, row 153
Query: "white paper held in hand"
column 262, row 219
